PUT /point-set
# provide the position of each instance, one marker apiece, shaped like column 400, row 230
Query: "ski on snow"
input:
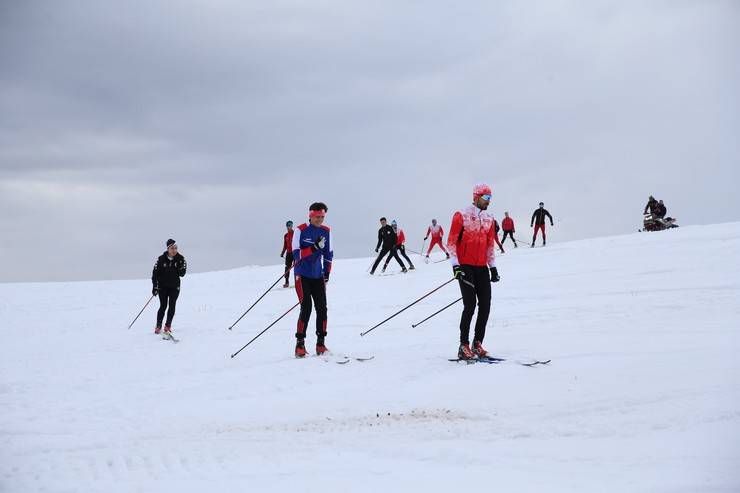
column 493, row 361
column 167, row 336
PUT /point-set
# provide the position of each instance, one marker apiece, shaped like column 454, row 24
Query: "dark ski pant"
column 288, row 264
column 311, row 290
column 167, row 297
column 480, row 278
column 538, row 227
column 391, row 252
column 402, row 250
column 508, row 234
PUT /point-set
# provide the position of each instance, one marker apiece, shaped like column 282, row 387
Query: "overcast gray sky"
column 212, row 122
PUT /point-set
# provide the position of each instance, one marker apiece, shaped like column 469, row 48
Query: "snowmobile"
column 651, row 222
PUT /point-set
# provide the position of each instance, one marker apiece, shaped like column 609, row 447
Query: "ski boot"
column 478, row 350
column 300, row 349
column 411, row 267
column 404, row 270
column 321, row 348
column 286, row 285
column 386, row 265
column 426, row 259
column 465, row 353
column 158, row 329
column 448, row 256
column 167, row 329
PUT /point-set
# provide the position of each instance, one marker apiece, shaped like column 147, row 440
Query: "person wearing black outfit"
column 388, row 239
column 168, row 270
column 400, row 246
column 651, row 205
column 538, row 220
column 660, row 210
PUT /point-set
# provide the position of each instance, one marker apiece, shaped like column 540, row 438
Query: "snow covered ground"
column 642, row 395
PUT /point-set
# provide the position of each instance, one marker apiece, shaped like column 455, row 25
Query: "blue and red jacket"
column 309, row 263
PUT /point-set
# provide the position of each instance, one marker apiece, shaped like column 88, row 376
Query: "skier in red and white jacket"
column 471, row 243
column 437, row 233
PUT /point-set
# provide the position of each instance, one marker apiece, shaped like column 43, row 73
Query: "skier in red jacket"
column 437, row 233
column 471, row 244
column 288, row 251
column 508, row 226
column 400, row 246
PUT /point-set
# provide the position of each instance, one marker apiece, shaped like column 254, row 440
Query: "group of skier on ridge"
column 308, row 251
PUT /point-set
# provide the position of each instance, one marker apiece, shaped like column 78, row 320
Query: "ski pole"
column 142, row 311
column 408, row 306
column 265, row 329
column 421, row 252
column 436, row 313
column 268, row 290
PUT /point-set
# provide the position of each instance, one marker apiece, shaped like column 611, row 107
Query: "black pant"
column 391, row 252
column 402, row 250
column 311, row 289
column 508, row 233
column 480, row 278
column 167, row 296
column 288, row 263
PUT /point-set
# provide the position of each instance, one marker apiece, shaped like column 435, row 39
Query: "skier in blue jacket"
column 312, row 254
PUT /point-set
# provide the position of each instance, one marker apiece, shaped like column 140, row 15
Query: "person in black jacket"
column 652, row 204
column 538, row 220
column 660, row 210
column 168, row 270
column 387, row 238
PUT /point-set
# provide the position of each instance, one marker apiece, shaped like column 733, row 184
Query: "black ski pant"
column 391, row 252
column 475, row 284
column 508, row 234
column 311, row 290
column 167, row 297
column 402, row 250
column 288, row 264
column 394, row 254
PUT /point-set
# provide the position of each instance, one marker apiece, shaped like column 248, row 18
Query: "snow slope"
column 642, row 394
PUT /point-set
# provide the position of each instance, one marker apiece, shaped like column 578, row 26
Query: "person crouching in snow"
column 471, row 244
column 312, row 254
column 168, row 270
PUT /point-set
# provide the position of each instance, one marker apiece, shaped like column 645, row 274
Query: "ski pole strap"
column 407, row 307
column 266, row 329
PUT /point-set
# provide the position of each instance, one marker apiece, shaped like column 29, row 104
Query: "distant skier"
column 400, row 245
column 497, row 229
column 168, row 269
column 651, row 206
column 471, row 243
column 387, row 238
column 288, row 251
column 538, row 220
column 313, row 254
column 508, row 226
column 437, row 233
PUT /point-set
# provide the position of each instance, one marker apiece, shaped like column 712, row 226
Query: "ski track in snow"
column 642, row 394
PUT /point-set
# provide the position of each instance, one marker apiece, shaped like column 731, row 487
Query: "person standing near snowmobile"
column 651, row 205
column 387, row 238
column 313, row 254
column 508, row 226
column 660, row 210
column 400, row 245
column 471, row 245
column 437, row 233
column 288, row 251
column 168, row 269
column 538, row 220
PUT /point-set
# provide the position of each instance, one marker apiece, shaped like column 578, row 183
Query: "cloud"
column 124, row 125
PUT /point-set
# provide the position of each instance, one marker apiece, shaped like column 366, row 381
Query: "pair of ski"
column 491, row 360
column 167, row 336
column 342, row 359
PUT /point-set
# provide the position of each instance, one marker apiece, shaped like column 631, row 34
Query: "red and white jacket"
column 472, row 238
column 401, row 238
column 436, row 231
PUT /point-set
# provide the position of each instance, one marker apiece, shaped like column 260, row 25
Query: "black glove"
column 457, row 272
column 326, row 277
column 282, row 254
column 376, row 250
column 494, row 275
column 155, row 291
column 319, row 244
